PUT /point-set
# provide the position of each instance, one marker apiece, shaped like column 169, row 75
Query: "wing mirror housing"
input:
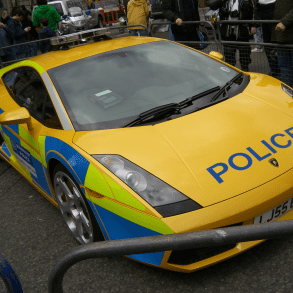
column 216, row 54
column 19, row 116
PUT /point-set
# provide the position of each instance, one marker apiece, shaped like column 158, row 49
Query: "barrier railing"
column 108, row 28
column 206, row 23
column 274, row 60
column 220, row 236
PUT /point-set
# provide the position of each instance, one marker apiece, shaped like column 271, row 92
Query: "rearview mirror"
column 216, row 54
column 19, row 116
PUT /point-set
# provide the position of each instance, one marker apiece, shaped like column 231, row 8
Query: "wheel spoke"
column 64, row 188
column 86, row 223
column 73, row 208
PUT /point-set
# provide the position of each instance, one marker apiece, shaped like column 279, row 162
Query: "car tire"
column 74, row 207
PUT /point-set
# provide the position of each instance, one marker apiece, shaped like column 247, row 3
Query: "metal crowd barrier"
column 266, row 62
column 109, row 28
column 235, row 53
column 9, row 277
column 240, row 55
column 216, row 237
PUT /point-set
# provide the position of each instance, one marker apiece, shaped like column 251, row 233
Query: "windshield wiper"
column 226, row 87
column 172, row 107
column 198, row 96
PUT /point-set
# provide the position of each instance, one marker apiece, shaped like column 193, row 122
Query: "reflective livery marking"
column 277, row 141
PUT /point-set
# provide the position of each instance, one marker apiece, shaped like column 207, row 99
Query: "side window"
column 28, row 90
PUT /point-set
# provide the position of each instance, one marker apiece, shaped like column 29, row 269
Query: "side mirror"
column 19, row 116
column 88, row 12
column 216, row 54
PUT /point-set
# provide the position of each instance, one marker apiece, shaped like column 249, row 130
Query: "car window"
column 75, row 11
column 58, row 7
column 135, row 79
column 28, row 90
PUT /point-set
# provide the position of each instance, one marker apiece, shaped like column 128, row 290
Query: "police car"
column 167, row 140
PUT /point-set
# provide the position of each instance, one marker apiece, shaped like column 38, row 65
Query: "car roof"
column 61, row 57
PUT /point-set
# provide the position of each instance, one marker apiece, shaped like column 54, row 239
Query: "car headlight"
column 287, row 90
column 165, row 199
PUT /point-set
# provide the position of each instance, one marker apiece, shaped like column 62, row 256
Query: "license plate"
column 275, row 213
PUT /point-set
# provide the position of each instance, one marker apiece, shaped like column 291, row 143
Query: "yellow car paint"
column 200, row 140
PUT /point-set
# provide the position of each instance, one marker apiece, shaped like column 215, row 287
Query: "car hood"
column 213, row 154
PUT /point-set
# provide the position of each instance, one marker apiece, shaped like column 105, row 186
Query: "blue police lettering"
column 217, row 175
column 273, row 141
column 257, row 156
column 247, row 157
column 288, row 131
column 231, row 163
column 269, row 147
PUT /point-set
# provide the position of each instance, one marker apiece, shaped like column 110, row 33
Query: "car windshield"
column 107, row 90
column 75, row 11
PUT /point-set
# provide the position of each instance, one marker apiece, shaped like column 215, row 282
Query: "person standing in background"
column 182, row 10
column 258, row 39
column 45, row 10
column 32, row 35
column 264, row 10
column 45, row 33
column 137, row 13
column 283, row 34
column 235, row 10
column 5, row 16
column 5, row 54
column 17, row 33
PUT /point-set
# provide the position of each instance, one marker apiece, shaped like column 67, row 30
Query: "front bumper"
column 241, row 209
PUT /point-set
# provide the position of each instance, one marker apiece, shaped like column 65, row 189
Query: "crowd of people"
column 18, row 28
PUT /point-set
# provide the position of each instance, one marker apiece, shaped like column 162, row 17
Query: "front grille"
column 193, row 255
column 189, row 256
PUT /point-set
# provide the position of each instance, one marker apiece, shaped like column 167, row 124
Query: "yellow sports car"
column 140, row 136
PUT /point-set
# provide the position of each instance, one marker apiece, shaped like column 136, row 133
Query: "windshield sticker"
column 24, row 157
column 103, row 93
column 226, row 69
column 106, row 101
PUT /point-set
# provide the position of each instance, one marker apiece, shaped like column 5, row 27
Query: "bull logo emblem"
column 274, row 162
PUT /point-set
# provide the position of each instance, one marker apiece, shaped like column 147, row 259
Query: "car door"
column 23, row 141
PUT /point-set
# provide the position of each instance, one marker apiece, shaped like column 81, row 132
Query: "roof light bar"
column 79, row 36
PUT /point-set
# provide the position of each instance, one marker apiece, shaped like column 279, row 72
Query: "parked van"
column 62, row 7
